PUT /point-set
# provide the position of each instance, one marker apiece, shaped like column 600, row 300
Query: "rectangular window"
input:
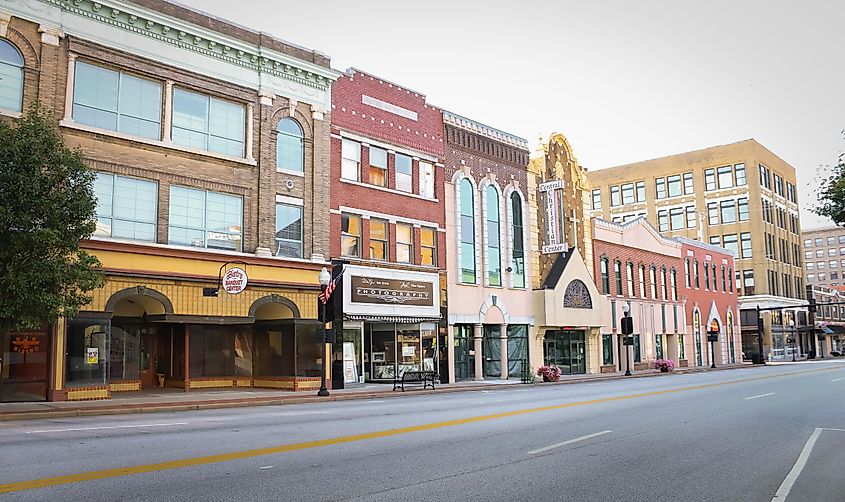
column 350, row 235
column 740, row 175
column 729, row 242
column 778, row 185
column 745, row 240
column 628, row 193
column 403, row 173
column 748, row 282
column 289, row 230
column 126, row 207
column 697, row 271
column 205, row 219
column 426, row 171
column 637, row 355
column 709, row 179
column 765, row 178
column 660, row 188
column 116, row 101
column 712, row 213
column 664, row 284
column 819, row 242
column 742, row 203
column 728, row 210
column 613, row 314
column 605, row 279
column 689, row 188
column 607, row 349
column 378, row 239
column 663, row 316
column 653, row 282
column 404, row 243
column 663, row 220
column 615, row 198
column 596, row 199
column 706, row 276
column 674, row 287
column 676, row 218
column 642, row 281
column 630, row 270
column 691, row 219
column 206, row 123
column 716, row 240
column 350, row 153
column 378, row 166
column 687, row 273
column 674, row 185
column 725, row 177
column 790, row 192
column 428, row 246
column 641, row 191
column 617, row 271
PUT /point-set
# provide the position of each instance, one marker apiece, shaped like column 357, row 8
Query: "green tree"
column 831, row 201
column 47, row 205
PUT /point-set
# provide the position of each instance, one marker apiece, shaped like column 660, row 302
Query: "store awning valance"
column 836, row 330
column 390, row 318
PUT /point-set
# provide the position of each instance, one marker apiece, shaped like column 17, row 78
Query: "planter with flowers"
column 549, row 373
column 664, row 365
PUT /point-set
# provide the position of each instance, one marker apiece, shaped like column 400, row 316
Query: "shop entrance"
column 23, row 366
column 566, row 349
column 391, row 349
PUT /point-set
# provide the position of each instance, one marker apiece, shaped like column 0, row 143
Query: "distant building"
column 829, row 322
column 824, row 257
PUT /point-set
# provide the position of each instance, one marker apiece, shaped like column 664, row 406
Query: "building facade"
column 211, row 146
column 739, row 196
column 827, row 325
column 388, row 231
column 489, row 286
column 824, row 257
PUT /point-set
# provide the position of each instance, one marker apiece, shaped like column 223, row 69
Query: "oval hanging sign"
column 234, row 280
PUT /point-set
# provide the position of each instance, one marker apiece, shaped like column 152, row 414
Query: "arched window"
column 687, row 272
column 617, row 270
column 467, row 232
column 11, row 77
column 518, row 253
column 290, row 154
column 652, row 279
column 729, row 326
column 664, row 284
column 605, row 280
column 631, row 291
column 674, row 285
column 494, row 254
column 642, row 281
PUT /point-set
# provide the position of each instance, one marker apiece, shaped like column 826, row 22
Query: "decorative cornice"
column 188, row 37
column 484, row 130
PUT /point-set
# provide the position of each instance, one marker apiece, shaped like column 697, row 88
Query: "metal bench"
column 425, row 378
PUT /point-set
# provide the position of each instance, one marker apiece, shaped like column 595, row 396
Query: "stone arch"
column 492, row 303
column 304, row 121
column 274, row 300
column 145, row 297
column 27, row 50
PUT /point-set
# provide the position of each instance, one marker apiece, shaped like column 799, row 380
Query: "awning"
column 390, row 318
column 836, row 329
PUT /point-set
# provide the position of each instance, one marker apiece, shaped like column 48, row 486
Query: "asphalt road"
column 746, row 435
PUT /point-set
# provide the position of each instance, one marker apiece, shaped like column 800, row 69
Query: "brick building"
column 824, row 257
column 211, row 144
column 489, row 285
column 387, row 225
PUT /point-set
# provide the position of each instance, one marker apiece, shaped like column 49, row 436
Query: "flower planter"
column 664, row 369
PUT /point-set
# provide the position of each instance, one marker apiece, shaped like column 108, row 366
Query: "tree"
column 47, row 206
column 832, row 194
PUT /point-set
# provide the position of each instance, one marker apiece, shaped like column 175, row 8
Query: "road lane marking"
column 838, row 379
column 571, row 441
column 789, row 481
column 761, row 395
column 105, row 427
column 245, row 454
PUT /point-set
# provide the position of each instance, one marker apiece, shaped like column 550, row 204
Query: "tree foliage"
column 47, row 206
column 831, row 201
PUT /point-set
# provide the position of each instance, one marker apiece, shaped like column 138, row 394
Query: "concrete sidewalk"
column 158, row 400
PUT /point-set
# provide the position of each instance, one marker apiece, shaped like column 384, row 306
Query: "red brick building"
column 387, row 226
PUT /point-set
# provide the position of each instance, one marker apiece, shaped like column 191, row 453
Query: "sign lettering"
column 234, row 280
column 383, row 291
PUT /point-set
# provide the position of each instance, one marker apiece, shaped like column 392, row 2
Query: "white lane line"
column 558, row 445
column 838, row 379
column 789, row 481
column 106, row 427
column 761, row 395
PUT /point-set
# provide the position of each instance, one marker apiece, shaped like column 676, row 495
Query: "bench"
column 426, row 378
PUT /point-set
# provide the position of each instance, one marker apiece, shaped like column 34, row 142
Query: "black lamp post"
column 628, row 340
column 713, row 337
column 325, row 277
column 791, row 338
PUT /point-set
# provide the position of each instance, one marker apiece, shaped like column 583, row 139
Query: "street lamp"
column 628, row 340
column 324, row 277
column 791, row 338
column 713, row 337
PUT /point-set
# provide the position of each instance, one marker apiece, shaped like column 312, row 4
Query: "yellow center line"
column 245, row 454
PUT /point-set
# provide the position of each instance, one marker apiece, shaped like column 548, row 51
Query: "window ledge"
column 388, row 190
column 290, row 172
column 10, row 113
column 171, row 146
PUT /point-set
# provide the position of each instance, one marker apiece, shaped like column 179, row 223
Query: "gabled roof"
column 557, row 269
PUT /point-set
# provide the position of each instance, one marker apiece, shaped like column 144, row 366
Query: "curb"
column 113, row 409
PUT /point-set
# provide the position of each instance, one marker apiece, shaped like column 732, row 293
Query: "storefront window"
column 408, row 354
column 463, row 360
column 607, row 349
column 275, row 350
column 382, row 351
column 517, row 350
column 124, row 356
column 220, row 351
column 87, row 356
column 309, row 355
column 492, row 352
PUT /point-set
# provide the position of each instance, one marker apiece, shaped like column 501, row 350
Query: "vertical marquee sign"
column 552, row 192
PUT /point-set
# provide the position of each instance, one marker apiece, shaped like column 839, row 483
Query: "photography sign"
column 383, row 291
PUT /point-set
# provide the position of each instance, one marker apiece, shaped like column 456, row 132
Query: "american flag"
column 325, row 295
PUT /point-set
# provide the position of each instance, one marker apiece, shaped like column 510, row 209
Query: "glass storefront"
column 391, row 349
column 464, row 362
column 23, row 366
column 491, row 349
column 566, row 350
column 517, row 350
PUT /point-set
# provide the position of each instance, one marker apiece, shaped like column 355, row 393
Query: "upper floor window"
column 687, row 274
column 615, row 198
column 517, row 234
column 674, row 278
column 706, row 276
column 403, row 173
column 426, row 171
column 494, row 256
column 289, row 230
column 728, row 210
column 126, row 207
column 605, row 280
column 290, row 152
column 742, row 204
column 725, row 176
column 652, row 277
column 660, row 188
column 378, row 239
column 778, row 185
column 428, row 246
column 688, row 184
column 628, row 193
column 765, row 177
column 378, row 166
column 116, row 101
column 642, row 281
column 350, row 235
column 709, row 179
column 697, row 274
column 630, row 270
column 11, row 77
column 641, row 191
column 664, row 286
column 617, row 271
column 467, row 236
column 673, row 184
column 350, row 155
column 596, row 199
column 205, row 219
column 404, row 243
column 740, row 175
column 200, row 121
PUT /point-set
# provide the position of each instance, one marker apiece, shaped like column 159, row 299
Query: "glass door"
column 578, row 357
column 409, row 348
column 23, row 366
column 382, row 351
column 463, row 359
column 352, row 337
column 491, row 350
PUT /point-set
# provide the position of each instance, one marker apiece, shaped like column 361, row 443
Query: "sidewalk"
column 158, row 400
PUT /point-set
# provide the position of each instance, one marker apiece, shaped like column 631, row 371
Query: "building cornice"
column 472, row 126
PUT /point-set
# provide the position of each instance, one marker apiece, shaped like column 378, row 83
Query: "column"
column 71, row 67
column 477, row 335
column 250, row 119
column 187, row 370
column 450, row 352
column 503, row 349
column 168, row 112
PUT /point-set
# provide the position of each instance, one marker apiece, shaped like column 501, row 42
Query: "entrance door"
column 578, row 364
column 23, row 366
column 567, row 350
column 149, row 359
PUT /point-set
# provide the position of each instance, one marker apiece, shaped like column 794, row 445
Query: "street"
column 712, row 436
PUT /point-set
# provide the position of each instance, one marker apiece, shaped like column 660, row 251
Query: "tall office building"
column 824, row 257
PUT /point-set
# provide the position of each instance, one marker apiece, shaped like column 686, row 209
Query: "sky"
column 624, row 81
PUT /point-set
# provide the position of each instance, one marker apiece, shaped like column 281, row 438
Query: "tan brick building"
column 824, row 257
column 740, row 196
column 211, row 143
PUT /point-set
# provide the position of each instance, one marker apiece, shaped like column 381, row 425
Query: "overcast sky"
column 623, row 80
